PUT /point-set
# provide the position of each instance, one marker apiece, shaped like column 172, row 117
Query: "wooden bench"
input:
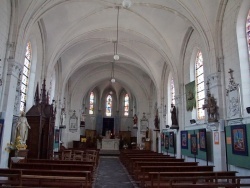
column 163, row 179
column 10, row 177
column 49, row 161
column 51, row 166
column 143, row 172
column 130, row 163
column 136, row 164
column 55, row 178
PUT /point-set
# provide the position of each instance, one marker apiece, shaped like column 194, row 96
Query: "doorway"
column 108, row 125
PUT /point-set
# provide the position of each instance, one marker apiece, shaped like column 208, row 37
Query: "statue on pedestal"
column 22, row 128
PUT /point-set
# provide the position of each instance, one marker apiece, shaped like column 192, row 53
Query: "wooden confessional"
column 41, row 118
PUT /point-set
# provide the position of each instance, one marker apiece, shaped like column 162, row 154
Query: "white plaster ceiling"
column 151, row 33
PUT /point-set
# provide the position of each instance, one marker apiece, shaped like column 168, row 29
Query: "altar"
column 110, row 144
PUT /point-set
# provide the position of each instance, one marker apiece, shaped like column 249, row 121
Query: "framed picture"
column 1, row 130
column 184, row 139
column 194, row 144
column 171, row 139
column 202, row 139
column 73, row 123
column 239, row 140
column 167, row 142
column 216, row 138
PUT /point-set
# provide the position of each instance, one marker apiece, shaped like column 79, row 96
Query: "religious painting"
column 171, row 139
column 202, row 139
column 194, row 144
column 166, row 142
column 57, row 136
column 184, row 139
column 239, row 140
column 1, row 130
column 190, row 96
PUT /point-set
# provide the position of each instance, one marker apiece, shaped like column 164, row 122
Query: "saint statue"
column 63, row 117
column 135, row 119
column 211, row 106
column 22, row 128
column 173, row 115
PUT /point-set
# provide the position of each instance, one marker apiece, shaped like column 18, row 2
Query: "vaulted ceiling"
column 150, row 36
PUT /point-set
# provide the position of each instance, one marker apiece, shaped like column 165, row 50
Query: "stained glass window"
column 108, row 105
column 25, row 77
column 200, row 89
column 126, row 105
column 172, row 91
column 91, row 103
column 248, row 33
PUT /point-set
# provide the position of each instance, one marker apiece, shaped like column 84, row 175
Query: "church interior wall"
column 5, row 10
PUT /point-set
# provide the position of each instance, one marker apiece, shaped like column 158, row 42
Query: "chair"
column 66, row 155
column 78, row 155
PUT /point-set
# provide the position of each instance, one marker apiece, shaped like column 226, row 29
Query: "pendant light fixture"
column 116, row 56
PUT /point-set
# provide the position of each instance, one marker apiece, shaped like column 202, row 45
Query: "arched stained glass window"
column 108, row 105
column 91, row 103
column 199, row 75
column 126, row 105
column 25, row 77
column 248, row 33
column 172, row 91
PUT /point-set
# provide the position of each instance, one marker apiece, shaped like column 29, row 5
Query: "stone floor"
column 112, row 174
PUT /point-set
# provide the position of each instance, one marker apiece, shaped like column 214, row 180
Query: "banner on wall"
column 190, row 96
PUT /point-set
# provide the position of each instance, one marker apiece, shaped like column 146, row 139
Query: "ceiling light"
column 113, row 80
column 116, row 57
column 126, row 3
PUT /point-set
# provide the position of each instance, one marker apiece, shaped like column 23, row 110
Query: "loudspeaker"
column 192, row 121
column 248, row 110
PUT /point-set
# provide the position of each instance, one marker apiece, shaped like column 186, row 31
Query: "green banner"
column 190, row 96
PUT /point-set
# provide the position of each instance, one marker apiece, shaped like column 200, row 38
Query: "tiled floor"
column 112, row 174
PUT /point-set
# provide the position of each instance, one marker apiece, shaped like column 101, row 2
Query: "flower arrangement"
column 17, row 145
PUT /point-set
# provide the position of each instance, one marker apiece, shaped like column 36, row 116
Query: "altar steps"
column 109, row 152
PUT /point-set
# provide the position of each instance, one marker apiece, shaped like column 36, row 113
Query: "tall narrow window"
column 108, row 105
column 25, row 77
column 91, row 103
column 172, row 91
column 199, row 74
column 126, row 105
column 248, row 33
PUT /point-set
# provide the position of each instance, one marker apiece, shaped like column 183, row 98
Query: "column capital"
column 14, row 68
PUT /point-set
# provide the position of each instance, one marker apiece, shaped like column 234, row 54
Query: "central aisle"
column 112, row 174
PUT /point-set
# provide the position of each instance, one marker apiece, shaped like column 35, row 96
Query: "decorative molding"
column 232, row 86
column 14, row 68
column 233, row 101
column 214, row 79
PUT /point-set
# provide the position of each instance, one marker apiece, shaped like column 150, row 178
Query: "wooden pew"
column 49, row 161
column 137, row 164
column 162, row 179
column 131, row 161
column 47, row 166
column 143, row 172
column 55, row 178
column 10, row 177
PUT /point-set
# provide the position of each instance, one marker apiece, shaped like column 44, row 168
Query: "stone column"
column 14, row 70
column 218, row 148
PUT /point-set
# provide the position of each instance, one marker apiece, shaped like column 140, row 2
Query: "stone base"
column 109, row 152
